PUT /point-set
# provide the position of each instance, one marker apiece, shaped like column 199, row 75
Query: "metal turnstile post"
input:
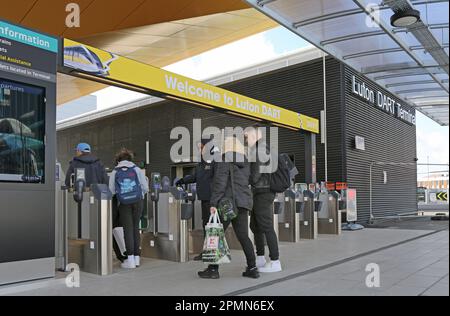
column 288, row 225
column 308, row 219
column 330, row 217
column 168, row 238
column 93, row 252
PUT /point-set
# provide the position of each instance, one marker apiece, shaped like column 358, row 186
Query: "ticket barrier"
column 171, row 209
column 196, row 233
column 309, row 214
column 330, row 218
column 289, row 205
column 85, row 226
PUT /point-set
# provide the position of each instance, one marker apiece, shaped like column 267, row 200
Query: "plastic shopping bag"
column 119, row 236
column 215, row 248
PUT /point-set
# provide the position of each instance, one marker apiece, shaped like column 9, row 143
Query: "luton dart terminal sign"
column 383, row 101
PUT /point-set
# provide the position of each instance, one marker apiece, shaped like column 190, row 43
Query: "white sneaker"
column 271, row 267
column 260, row 261
column 137, row 261
column 129, row 263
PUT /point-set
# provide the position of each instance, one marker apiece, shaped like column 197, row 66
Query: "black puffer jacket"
column 221, row 186
column 204, row 175
column 260, row 182
column 95, row 171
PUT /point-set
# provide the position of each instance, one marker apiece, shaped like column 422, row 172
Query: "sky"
column 432, row 139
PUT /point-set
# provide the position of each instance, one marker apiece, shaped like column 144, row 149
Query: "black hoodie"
column 95, row 171
column 221, row 186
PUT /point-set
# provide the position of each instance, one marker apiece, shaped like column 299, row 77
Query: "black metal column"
column 310, row 158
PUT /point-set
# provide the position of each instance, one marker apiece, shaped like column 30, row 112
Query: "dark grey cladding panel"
column 387, row 139
column 299, row 88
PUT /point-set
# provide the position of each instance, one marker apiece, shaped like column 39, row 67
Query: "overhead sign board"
column 27, row 53
column 104, row 65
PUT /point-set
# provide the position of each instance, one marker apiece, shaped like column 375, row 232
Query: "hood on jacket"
column 87, row 159
column 126, row 164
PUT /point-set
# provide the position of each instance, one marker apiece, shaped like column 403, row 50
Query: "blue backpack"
column 128, row 187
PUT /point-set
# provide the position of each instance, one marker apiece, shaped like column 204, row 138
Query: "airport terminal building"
column 343, row 109
column 370, row 133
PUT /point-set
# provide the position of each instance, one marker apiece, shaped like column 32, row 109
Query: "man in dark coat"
column 261, row 222
column 235, row 188
column 203, row 177
column 95, row 171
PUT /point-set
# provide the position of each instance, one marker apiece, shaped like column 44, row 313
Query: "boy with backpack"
column 266, row 181
column 129, row 184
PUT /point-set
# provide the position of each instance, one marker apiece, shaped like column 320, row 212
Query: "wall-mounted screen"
column 22, row 132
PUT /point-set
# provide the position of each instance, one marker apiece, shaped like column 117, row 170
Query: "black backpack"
column 280, row 180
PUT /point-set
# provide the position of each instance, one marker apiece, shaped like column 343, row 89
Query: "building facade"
column 371, row 134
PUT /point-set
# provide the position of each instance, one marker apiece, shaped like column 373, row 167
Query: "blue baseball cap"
column 84, row 148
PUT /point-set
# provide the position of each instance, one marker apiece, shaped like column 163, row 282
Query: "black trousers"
column 261, row 224
column 240, row 227
column 129, row 217
column 116, row 223
column 206, row 213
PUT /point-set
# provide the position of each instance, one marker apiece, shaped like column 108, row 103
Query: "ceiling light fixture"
column 405, row 18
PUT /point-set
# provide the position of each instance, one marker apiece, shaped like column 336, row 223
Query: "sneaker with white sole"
column 261, row 262
column 271, row 267
column 129, row 263
column 137, row 261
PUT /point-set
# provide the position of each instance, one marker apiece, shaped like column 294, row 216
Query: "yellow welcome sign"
column 105, row 65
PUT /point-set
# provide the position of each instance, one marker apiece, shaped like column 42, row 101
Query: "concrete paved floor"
column 412, row 262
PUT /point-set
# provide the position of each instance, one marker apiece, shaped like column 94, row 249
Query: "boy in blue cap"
column 95, row 171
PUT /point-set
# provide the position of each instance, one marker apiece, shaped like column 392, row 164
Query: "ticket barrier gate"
column 330, row 217
column 85, row 226
column 167, row 236
column 288, row 207
column 308, row 215
column 298, row 218
column 196, row 234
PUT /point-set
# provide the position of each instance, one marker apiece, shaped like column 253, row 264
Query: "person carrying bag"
column 231, row 187
column 215, row 248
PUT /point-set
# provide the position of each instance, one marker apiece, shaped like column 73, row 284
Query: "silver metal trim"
column 351, row 37
column 408, row 83
column 418, row 90
column 21, row 271
column 324, row 17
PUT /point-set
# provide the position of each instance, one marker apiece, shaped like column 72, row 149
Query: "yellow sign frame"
column 96, row 64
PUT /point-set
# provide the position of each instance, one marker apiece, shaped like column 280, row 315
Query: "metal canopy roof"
column 412, row 62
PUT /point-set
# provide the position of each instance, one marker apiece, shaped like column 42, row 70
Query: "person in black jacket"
column 242, row 195
column 203, row 176
column 94, row 169
column 261, row 222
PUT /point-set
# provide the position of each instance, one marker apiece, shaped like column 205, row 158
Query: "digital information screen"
column 22, row 132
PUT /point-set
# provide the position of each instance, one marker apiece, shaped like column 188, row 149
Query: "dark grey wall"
column 388, row 140
column 298, row 88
